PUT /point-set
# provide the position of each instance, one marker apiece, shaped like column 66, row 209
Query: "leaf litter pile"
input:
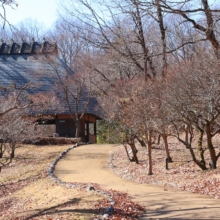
column 123, row 207
column 27, row 192
column 183, row 173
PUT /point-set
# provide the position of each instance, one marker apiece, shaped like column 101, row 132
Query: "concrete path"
column 89, row 164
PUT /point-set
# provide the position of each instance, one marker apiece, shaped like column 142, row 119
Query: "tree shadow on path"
column 59, row 209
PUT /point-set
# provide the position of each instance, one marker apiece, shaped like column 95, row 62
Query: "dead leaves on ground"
column 124, row 208
column 183, row 174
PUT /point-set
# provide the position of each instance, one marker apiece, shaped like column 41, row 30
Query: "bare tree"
column 189, row 11
column 130, row 103
column 195, row 96
column 75, row 89
column 124, row 35
column 13, row 102
column 3, row 14
column 71, row 46
column 18, row 112
column 27, row 30
column 163, row 117
column 14, row 130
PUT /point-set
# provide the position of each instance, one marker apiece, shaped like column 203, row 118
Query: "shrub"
column 52, row 141
column 109, row 132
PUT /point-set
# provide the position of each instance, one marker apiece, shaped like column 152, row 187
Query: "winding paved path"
column 89, row 164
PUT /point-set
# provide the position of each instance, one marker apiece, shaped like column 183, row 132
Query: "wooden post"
column 95, row 132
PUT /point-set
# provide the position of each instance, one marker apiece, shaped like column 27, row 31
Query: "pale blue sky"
column 44, row 11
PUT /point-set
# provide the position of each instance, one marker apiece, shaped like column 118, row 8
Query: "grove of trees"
column 155, row 69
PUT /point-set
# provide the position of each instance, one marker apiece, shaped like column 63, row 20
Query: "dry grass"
column 26, row 191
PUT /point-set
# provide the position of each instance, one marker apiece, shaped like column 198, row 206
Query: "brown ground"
column 89, row 164
column 29, row 193
column 183, row 173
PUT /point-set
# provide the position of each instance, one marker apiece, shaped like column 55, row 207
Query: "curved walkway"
column 89, row 164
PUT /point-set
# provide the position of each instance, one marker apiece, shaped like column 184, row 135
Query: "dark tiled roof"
column 28, row 48
column 36, row 69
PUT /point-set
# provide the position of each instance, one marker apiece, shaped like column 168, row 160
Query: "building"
column 35, row 63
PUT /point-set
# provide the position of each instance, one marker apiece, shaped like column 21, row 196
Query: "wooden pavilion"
column 22, row 63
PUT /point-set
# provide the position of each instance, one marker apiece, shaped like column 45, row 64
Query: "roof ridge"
column 34, row 47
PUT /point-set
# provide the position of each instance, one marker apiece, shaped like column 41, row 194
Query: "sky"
column 44, row 11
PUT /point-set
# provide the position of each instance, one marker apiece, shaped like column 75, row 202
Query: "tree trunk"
column 127, row 152
column 169, row 159
column 146, row 58
column 134, row 151
column 13, row 147
column 163, row 36
column 210, row 33
column 77, row 128
column 200, row 149
column 189, row 146
column 187, row 136
column 149, row 148
column 158, row 140
column 1, row 150
column 12, row 155
column 201, row 165
column 141, row 142
column 210, row 147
